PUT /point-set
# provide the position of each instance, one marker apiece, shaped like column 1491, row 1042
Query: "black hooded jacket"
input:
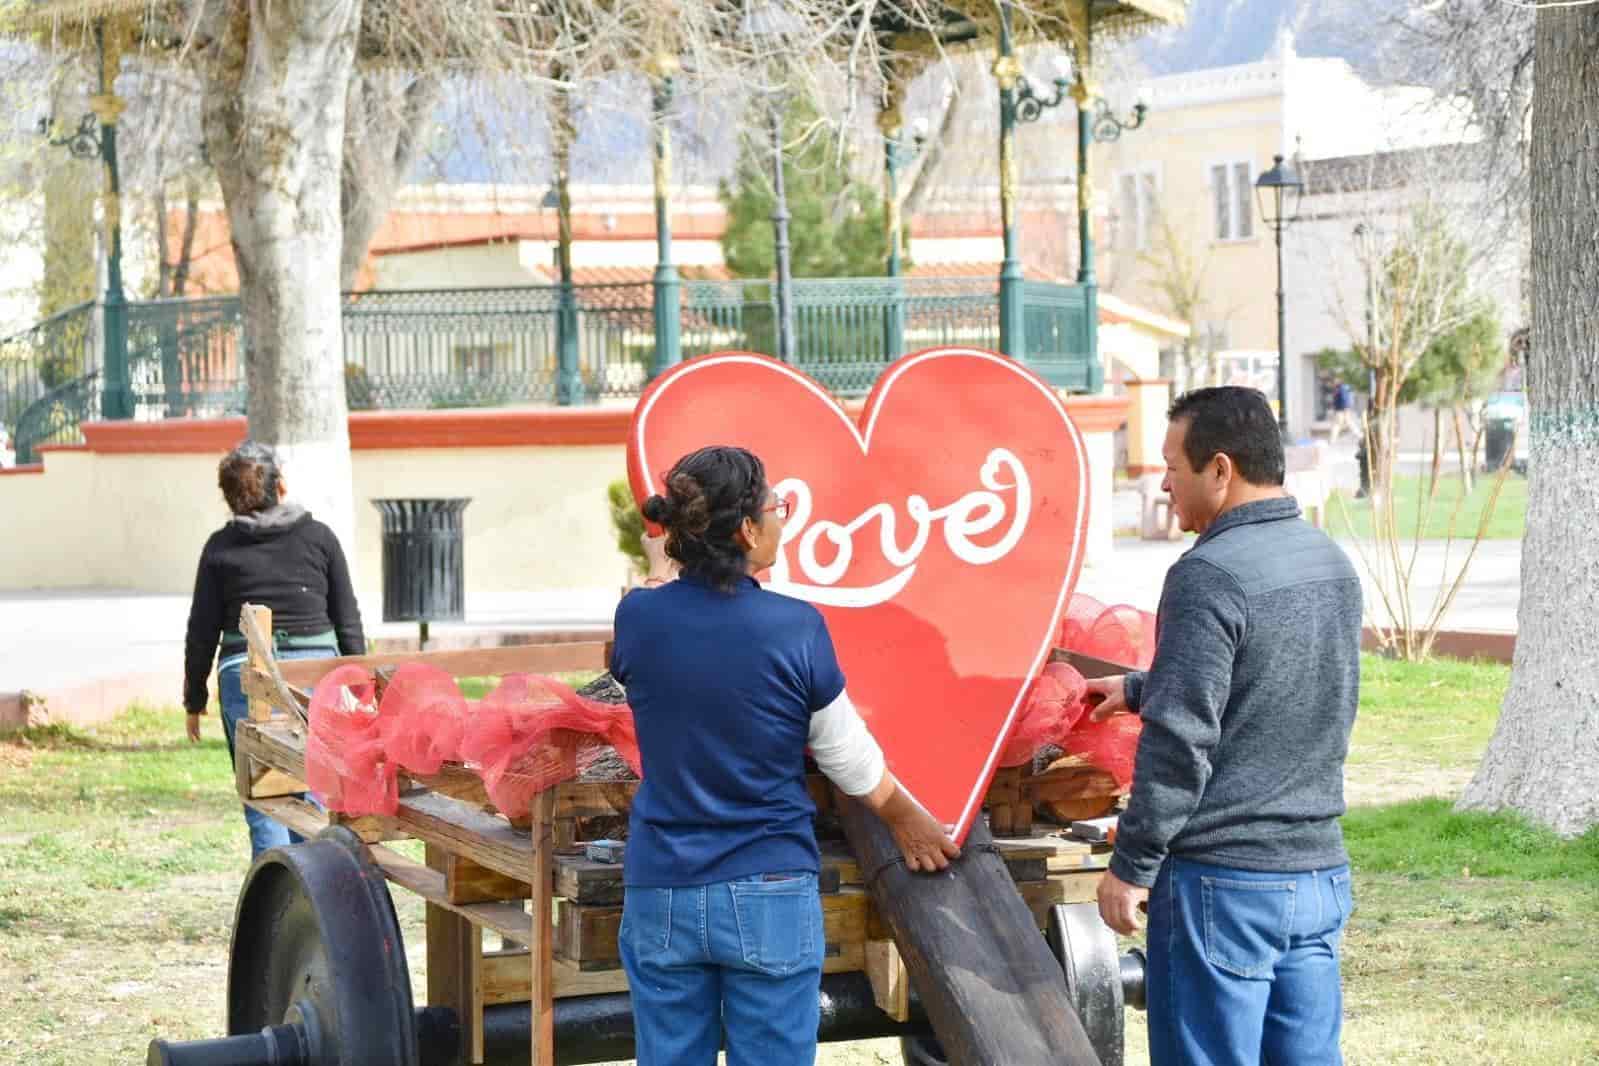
column 281, row 558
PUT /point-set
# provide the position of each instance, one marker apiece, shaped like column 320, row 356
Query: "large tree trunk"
column 276, row 78
column 1544, row 756
column 384, row 119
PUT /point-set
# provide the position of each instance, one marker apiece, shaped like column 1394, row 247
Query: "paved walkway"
column 56, row 639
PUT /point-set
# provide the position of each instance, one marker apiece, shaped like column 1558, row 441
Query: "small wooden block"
column 467, row 882
column 266, row 782
column 891, row 984
column 505, row 976
column 593, row 799
column 586, row 935
column 1027, row 869
column 837, row 860
column 1005, row 788
column 1061, row 888
column 583, row 880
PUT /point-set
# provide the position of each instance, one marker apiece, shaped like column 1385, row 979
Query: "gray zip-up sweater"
column 1248, row 704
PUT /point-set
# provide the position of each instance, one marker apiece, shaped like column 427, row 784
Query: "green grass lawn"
column 1508, row 521
column 122, row 851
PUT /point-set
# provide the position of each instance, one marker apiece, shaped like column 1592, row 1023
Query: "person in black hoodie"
column 272, row 553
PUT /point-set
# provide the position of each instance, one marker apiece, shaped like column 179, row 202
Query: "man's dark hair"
column 1236, row 422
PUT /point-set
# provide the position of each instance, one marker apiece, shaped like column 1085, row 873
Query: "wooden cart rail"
column 558, row 913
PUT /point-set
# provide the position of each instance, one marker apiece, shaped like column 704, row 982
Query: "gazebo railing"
column 490, row 347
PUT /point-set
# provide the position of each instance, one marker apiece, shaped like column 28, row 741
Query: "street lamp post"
column 785, row 281
column 85, row 142
column 771, row 25
column 666, row 283
column 1279, row 190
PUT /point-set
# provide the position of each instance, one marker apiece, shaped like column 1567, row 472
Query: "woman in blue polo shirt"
column 729, row 684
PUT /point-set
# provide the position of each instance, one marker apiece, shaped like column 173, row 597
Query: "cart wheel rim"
column 315, row 933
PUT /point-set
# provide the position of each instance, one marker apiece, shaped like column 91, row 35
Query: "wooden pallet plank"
column 557, row 658
column 542, row 993
column 467, row 882
column 891, row 982
column 301, row 817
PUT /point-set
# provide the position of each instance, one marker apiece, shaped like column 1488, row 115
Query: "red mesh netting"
column 531, row 733
column 345, row 760
column 1077, row 620
column 424, row 718
column 1053, row 706
column 1122, row 635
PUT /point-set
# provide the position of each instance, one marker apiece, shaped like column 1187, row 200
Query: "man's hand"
column 1122, row 906
column 1112, row 695
column 193, row 727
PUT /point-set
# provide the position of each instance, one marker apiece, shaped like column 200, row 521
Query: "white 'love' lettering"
column 972, row 515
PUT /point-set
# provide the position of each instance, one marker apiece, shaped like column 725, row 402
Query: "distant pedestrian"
column 1343, row 412
column 273, row 553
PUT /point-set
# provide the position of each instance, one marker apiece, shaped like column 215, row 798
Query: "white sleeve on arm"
column 845, row 749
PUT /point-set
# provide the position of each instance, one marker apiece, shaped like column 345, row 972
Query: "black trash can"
column 1497, row 441
column 423, row 560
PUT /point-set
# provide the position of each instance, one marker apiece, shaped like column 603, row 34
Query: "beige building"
column 1179, row 223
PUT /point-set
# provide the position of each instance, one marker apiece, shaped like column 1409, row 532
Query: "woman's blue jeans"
column 265, row 832
column 741, row 957
column 1243, row 966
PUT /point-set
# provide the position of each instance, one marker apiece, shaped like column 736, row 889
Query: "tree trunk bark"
column 276, row 76
column 1543, row 759
column 1437, row 450
column 384, row 115
column 1465, row 450
column 191, row 220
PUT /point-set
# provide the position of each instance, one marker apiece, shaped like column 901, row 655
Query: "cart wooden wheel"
column 316, row 971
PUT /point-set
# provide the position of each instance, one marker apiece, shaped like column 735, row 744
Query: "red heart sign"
column 940, row 537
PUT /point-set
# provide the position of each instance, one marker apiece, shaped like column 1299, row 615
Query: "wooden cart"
column 556, row 913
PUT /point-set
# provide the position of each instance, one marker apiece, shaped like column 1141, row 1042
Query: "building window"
column 1232, row 194
column 1138, row 208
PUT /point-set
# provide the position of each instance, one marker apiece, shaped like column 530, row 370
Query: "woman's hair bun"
column 658, row 509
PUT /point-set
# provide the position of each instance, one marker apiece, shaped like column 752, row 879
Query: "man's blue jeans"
column 741, row 956
column 264, row 832
column 1243, row 966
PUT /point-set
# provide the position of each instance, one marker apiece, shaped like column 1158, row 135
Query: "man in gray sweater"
column 1231, row 836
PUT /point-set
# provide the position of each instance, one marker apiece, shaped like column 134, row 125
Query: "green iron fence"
column 1057, row 323
column 488, row 347
column 44, row 373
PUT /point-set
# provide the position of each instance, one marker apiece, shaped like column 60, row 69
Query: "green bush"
column 628, row 524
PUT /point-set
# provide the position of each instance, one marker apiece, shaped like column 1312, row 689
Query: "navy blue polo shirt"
column 722, row 688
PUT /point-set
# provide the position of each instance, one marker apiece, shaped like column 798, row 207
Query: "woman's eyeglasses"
column 782, row 507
